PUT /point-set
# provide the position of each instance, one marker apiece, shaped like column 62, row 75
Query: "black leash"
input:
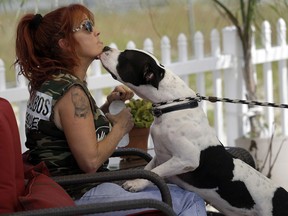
column 248, row 102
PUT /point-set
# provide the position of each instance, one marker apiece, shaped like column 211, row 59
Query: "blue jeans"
column 185, row 203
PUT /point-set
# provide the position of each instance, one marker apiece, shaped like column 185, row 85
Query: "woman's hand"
column 120, row 92
column 123, row 121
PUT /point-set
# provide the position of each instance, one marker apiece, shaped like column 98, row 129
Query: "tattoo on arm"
column 80, row 102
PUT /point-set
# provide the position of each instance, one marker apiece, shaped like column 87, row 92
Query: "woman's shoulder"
column 59, row 84
column 61, row 80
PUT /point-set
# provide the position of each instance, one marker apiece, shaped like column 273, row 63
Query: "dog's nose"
column 106, row 48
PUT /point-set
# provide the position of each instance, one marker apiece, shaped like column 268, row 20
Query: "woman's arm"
column 74, row 116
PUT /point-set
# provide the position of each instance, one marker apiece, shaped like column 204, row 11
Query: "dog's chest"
column 176, row 131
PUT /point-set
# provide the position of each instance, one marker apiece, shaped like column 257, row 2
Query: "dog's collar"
column 157, row 112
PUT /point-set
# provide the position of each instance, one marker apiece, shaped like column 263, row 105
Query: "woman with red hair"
column 65, row 127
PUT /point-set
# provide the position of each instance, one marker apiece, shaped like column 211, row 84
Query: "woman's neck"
column 80, row 72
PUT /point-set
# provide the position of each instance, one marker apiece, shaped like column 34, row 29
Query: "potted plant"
column 143, row 118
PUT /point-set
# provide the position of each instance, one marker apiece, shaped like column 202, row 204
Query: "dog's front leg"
column 140, row 184
column 172, row 167
column 151, row 164
column 175, row 166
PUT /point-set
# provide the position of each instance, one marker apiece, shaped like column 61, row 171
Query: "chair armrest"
column 100, row 208
column 118, row 175
column 165, row 206
column 132, row 152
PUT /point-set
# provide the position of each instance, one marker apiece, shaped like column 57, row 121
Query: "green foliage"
column 141, row 112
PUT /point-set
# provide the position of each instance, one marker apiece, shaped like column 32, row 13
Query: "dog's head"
column 133, row 67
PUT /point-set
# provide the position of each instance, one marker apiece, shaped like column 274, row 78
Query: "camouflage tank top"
column 48, row 143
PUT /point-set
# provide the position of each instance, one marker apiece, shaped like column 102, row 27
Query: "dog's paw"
column 135, row 185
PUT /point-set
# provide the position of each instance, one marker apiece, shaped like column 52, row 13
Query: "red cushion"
column 11, row 166
column 44, row 192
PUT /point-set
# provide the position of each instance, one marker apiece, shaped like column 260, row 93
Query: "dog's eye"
column 161, row 65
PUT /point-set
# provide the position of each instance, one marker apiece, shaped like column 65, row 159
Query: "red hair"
column 38, row 52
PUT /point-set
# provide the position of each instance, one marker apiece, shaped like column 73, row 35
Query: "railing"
column 223, row 67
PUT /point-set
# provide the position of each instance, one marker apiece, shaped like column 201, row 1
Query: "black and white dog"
column 187, row 151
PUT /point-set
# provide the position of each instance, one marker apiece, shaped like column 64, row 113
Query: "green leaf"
column 141, row 112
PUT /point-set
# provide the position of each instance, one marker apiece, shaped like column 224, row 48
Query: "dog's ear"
column 148, row 74
column 153, row 74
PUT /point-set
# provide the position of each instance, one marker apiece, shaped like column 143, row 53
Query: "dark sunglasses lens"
column 89, row 26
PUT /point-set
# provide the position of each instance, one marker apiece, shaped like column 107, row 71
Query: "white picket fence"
column 223, row 63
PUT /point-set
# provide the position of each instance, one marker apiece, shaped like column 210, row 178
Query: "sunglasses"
column 87, row 25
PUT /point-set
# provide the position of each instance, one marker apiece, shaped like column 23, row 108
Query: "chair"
column 13, row 188
column 12, row 183
column 242, row 154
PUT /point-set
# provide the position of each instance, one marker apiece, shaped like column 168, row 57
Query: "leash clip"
column 156, row 112
column 198, row 97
